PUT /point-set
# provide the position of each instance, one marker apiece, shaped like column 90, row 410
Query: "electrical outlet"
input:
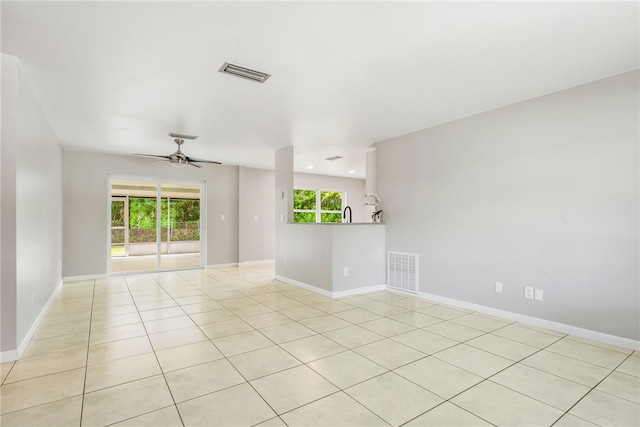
column 528, row 292
column 284, row 261
column 346, row 271
column 538, row 294
column 499, row 287
column 255, row 218
column 221, row 217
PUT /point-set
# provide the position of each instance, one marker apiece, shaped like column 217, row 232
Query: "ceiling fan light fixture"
column 244, row 72
column 182, row 135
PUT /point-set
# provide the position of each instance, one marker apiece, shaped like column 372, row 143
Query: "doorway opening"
column 155, row 225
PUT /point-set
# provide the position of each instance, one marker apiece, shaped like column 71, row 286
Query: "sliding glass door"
column 155, row 225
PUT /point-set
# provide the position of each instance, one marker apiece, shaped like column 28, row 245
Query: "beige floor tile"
column 125, row 401
column 196, row 299
column 325, row 323
column 165, row 340
column 631, row 366
column 121, row 371
column 412, row 303
column 567, row 367
column 225, row 328
column 99, row 312
column 389, row 353
column 116, row 320
column 301, row 313
column 447, row 415
column 51, row 318
column 225, row 295
column 359, row 301
column 454, row 331
column 117, row 333
column 512, row 350
column 547, row 388
column 62, row 413
column 621, row 385
column 188, row 355
column 56, row 344
column 481, row 322
column 619, row 349
column 164, row 325
column 588, row 353
column 425, row 341
column 115, row 350
column 476, row 361
column 58, row 329
column 346, row 369
column 385, row 309
column 283, row 304
column 252, row 310
column 266, row 361
column 526, row 335
column 287, row 332
column 199, row 380
column 239, row 406
column 265, row 320
column 165, row 417
column 439, row 377
column 336, row 410
column 393, row 398
column 292, row 388
column 212, row 316
column 607, row 410
column 242, row 343
column 161, row 313
column 442, row 312
column 353, row 336
column 202, row 307
column 5, row 368
column 312, row 348
column 502, row 406
column 414, row 318
column 386, row 327
column 273, row 422
column 333, row 307
column 154, row 305
column 569, row 420
column 41, row 390
column 357, row 315
column 27, row 368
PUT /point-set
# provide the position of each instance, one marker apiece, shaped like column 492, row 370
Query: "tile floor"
column 234, row 347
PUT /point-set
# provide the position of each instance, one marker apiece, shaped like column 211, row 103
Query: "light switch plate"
column 538, row 294
column 499, row 287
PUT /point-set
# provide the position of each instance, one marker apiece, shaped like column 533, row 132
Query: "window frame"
column 318, row 210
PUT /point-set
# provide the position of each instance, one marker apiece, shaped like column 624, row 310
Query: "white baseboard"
column 11, row 355
column 87, row 277
column 535, row 321
column 259, row 262
column 326, row 293
column 231, row 264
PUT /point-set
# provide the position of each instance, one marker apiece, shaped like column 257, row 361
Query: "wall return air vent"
column 244, row 72
column 402, row 272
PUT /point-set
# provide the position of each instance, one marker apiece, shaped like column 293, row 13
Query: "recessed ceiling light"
column 244, row 72
column 352, row 171
column 310, row 167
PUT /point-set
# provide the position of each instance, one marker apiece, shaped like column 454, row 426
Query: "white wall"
column 256, row 220
column 543, row 193
column 85, row 204
column 32, row 201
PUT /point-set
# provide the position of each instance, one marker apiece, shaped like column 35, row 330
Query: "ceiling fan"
column 179, row 159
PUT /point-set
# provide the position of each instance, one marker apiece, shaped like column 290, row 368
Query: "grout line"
column 86, row 365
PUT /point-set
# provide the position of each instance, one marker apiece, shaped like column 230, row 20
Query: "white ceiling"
column 116, row 77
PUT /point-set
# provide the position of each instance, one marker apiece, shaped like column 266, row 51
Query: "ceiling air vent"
column 244, row 72
column 332, row 158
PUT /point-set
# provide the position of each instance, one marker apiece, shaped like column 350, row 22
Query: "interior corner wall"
column 544, row 193
column 85, row 207
column 32, row 203
column 256, row 222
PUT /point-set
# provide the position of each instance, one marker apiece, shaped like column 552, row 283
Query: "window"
column 317, row 205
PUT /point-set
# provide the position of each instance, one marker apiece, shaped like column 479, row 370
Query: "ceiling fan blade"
column 152, row 156
column 194, row 165
column 191, row 159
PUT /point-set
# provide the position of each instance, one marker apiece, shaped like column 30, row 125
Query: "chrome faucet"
column 344, row 214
